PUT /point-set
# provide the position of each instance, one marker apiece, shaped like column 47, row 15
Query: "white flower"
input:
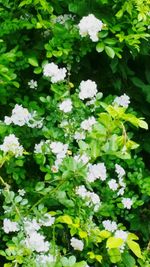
column 90, row 25
column 94, row 199
column 88, row 89
column 9, row 226
column 32, row 84
column 66, row 105
column 122, row 100
column 21, row 192
column 59, row 149
column 36, row 242
column 127, row 203
column 31, row 226
column 20, row 116
column 96, row 171
column 110, row 225
column 51, row 70
column 91, row 198
column 63, row 18
column 119, row 170
column 64, row 123
column 38, row 147
column 121, row 191
column 79, row 136
column 77, row 244
column 47, row 220
column 121, row 182
column 7, row 120
column 87, row 124
column 44, row 260
column 113, row 184
column 82, row 158
column 121, row 234
column 12, row 145
column 81, row 191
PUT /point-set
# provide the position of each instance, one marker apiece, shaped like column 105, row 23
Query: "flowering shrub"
column 73, row 189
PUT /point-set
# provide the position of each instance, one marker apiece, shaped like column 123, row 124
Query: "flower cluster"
column 88, row 123
column 88, row 89
column 21, row 116
column 122, row 100
column 91, row 199
column 11, row 145
column 52, row 71
column 110, row 226
column 96, row 171
column 66, row 106
column 77, row 244
column 90, row 25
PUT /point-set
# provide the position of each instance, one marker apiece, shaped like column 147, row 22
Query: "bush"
column 74, row 188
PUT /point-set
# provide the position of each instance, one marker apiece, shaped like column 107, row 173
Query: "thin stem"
column 4, row 183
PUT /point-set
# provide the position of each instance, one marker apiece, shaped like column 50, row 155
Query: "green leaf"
column 65, row 219
column 135, row 248
column 100, row 47
column 115, row 255
column 128, row 260
column 104, row 234
column 114, row 242
column 109, row 51
column 39, row 186
column 143, row 124
column 38, row 70
column 33, row 61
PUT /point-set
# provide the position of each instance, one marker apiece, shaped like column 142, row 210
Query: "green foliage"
column 33, row 34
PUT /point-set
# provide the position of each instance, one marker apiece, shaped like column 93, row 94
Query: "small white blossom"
column 121, row 234
column 113, row 184
column 91, row 199
column 88, row 89
column 32, row 84
column 96, row 171
column 44, row 260
column 31, row 226
column 119, row 170
column 121, row 182
column 94, row 199
column 110, row 225
column 21, row 116
column 82, row 158
column 36, row 242
column 9, row 226
column 47, row 220
column 11, row 144
column 127, row 203
column 88, row 123
column 79, row 136
column 77, row 244
column 38, row 148
column 90, row 25
column 63, row 18
column 59, row 149
column 21, row 192
column 52, row 71
column 66, row 105
column 81, row 191
column 122, row 100
column 7, row 120
column 64, row 123
column 121, row 191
